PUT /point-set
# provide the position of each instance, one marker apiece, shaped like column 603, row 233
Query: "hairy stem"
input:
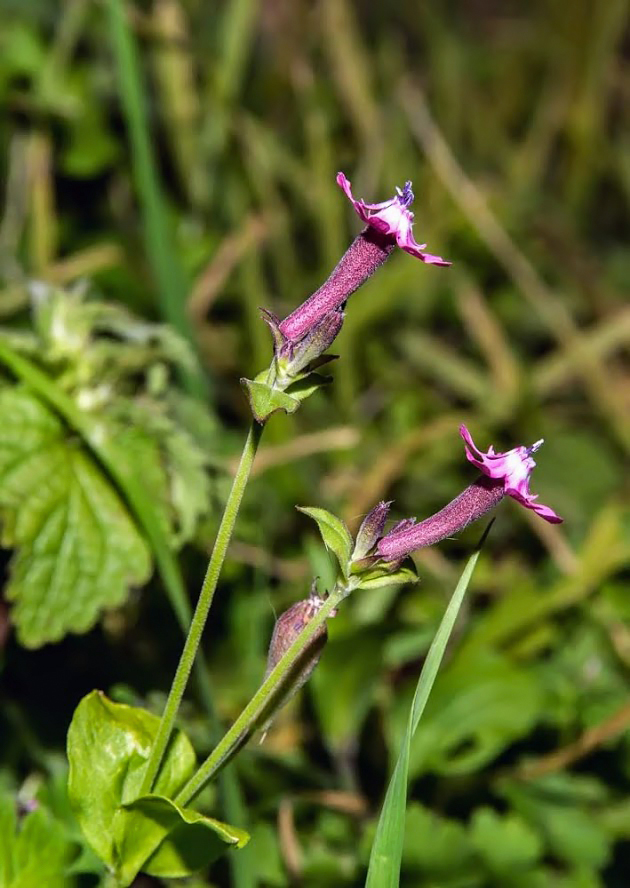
column 200, row 616
column 262, row 703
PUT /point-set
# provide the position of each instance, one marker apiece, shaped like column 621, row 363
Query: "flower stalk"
column 265, row 700
column 204, row 602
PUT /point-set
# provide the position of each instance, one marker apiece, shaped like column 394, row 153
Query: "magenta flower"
column 393, row 219
column 513, row 468
column 388, row 224
column 503, row 473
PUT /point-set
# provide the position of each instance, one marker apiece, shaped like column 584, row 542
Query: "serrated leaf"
column 189, row 840
column 38, row 853
column 168, row 463
column 265, row 400
column 377, row 579
column 335, row 535
column 78, row 550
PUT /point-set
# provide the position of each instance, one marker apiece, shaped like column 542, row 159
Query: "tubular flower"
column 513, row 468
column 387, row 224
column 393, row 219
column 503, row 473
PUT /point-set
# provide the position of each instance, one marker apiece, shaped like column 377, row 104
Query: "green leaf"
column 38, row 853
column 335, row 535
column 569, row 825
column 377, row 579
column 190, row 840
column 467, row 723
column 108, row 746
column 386, row 854
column 265, row 400
column 505, row 843
column 434, row 844
column 78, row 550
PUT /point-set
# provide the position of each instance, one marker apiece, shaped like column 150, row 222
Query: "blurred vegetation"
column 168, row 167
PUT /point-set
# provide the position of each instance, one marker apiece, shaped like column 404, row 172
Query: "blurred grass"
column 514, row 125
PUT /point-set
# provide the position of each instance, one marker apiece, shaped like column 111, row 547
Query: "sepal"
column 265, row 398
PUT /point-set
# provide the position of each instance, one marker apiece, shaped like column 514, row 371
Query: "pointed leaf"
column 386, row 854
column 377, row 579
column 335, row 535
column 265, row 400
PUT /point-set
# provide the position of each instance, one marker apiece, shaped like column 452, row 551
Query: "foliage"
column 519, row 769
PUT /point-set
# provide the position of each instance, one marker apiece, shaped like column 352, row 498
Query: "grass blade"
column 169, row 275
column 386, row 854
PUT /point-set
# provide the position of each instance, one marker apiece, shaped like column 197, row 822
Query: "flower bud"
column 288, row 626
column 371, row 530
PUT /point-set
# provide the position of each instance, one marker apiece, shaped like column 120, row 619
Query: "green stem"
column 203, row 606
column 261, row 704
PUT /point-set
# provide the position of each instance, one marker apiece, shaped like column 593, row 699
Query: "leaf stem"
column 200, row 615
column 262, row 703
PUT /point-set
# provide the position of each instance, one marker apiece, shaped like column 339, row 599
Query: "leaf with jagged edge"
column 78, row 550
column 168, row 462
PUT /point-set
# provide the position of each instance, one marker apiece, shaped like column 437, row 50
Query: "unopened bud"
column 288, row 626
column 371, row 530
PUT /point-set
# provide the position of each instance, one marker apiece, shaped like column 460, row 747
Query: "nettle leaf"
column 108, row 748
column 168, row 463
column 37, row 853
column 78, row 549
column 334, row 533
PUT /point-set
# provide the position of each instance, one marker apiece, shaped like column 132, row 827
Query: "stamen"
column 406, row 195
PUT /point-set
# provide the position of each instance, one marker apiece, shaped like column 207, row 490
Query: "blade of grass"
column 386, row 854
column 169, row 275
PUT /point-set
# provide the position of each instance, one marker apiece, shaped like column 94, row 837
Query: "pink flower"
column 392, row 218
column 513, row 468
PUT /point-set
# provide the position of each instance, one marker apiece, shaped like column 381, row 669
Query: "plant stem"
column 200, row 616
column 261, row 704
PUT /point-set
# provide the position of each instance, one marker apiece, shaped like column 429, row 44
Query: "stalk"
column 204, row 602
column 261, row 704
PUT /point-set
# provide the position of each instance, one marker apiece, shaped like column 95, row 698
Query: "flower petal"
column 393, row 219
